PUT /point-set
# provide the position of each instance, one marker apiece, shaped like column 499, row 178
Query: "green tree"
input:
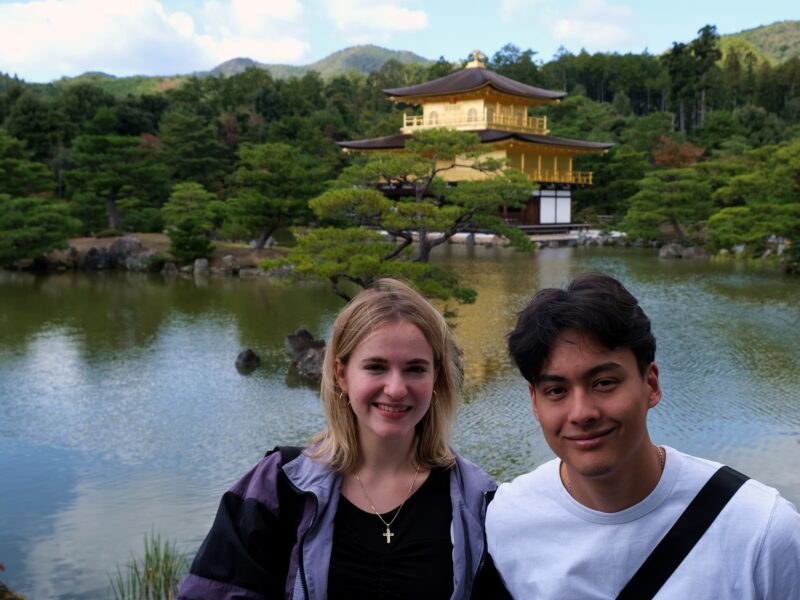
column 38, row 123
column 615, row 181
column 20, row 175
column 680, row 198
column 192, row 149
column 419, row 207
column 190, row 200
column 31, row 227
column 275, row 183
column 105, row 169
column 190, row 238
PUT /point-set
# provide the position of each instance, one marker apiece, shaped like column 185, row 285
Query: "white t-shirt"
column 547, row 545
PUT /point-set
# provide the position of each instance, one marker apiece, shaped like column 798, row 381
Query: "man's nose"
column 583, row 407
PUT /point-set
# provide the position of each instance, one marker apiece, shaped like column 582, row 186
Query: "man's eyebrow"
column 606, row 366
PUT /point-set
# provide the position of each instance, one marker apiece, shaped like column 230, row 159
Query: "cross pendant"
column 388, row 535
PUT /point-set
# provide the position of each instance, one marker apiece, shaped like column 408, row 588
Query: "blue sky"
column 42, row 40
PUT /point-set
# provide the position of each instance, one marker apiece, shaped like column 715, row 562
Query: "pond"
column 121, row 411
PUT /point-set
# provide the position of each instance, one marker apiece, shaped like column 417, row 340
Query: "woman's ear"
column 340, row 372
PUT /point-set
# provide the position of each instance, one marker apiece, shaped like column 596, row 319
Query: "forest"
column 706, row 150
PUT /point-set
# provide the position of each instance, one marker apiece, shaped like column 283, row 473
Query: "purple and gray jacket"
column 248, row 555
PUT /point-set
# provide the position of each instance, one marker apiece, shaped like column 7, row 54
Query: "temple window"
column 433, row 118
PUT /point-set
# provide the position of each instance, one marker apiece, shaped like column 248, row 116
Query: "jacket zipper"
column 300, row 549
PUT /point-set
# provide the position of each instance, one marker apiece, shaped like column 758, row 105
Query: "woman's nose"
column 395, row 386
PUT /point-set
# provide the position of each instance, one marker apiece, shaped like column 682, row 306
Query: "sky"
column 43, row 40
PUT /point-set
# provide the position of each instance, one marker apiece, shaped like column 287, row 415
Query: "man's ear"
column 340, row 372
column 653, row 385
column 532, row 391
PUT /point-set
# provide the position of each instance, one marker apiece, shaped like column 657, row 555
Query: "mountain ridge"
column 774, row 43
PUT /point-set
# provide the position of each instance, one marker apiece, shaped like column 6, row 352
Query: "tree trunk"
column 702, row 115
column 677, row 228
column 263, row 237
column 424, row 249
column 113, row 213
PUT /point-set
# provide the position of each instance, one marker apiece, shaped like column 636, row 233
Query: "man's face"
column 592, row 403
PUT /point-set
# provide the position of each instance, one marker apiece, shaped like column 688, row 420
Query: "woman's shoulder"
column 472, row 477
column 261, row 481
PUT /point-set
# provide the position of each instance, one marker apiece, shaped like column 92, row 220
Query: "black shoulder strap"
column 683, row 536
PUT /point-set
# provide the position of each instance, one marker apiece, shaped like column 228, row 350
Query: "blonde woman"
column 379, row 505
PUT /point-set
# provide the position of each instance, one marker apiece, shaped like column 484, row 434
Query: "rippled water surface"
column 121, row 411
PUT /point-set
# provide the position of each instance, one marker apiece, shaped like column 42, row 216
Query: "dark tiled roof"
column 471, row 79
column 487, row 136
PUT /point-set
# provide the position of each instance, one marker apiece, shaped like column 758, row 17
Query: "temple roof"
column 487, row 136
column 468, row 80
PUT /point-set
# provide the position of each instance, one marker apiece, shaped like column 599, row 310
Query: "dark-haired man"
column 583, row 525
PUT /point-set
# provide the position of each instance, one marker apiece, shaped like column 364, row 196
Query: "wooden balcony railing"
column 473, row 119
column 579, row 177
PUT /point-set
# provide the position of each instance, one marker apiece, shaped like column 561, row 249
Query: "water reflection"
column 120, row 408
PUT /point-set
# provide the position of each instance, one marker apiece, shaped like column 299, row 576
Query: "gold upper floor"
column 473, row 114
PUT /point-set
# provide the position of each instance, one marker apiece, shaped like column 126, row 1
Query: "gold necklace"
column 388, row 533
column 662, row 459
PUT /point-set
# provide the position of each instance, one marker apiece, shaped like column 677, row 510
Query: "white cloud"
column 595, row 25
column 364, row 20
column 46, row 39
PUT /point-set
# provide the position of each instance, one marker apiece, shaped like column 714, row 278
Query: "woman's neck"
column 388, row 456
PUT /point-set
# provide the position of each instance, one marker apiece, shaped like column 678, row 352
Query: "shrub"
column 190, row 239
column 156, row 577
column 107, row 233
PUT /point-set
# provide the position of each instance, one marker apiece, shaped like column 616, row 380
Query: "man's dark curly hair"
column 594, row 304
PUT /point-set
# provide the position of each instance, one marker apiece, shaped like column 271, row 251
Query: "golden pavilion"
column 495, row 107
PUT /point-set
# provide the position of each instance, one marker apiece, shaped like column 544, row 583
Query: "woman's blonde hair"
column 388, row 301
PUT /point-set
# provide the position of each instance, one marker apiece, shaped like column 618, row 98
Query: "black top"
column 417, row 564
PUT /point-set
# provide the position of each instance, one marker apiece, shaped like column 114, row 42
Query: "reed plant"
column 155, row 577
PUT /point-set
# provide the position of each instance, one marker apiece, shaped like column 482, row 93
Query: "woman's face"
column 389, row 380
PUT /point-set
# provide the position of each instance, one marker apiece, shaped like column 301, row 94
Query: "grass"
column 155, row 577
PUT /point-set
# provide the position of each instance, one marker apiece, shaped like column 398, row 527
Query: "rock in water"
column 696, row 252
column 247, row 361
column 310, row 364
column 671, row 251
column 307, row 353
column 201, row 266
column 299, row 342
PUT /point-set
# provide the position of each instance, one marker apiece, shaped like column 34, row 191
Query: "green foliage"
column 676, row 197
column 31, row 227
column 189, row 239
column 192, row 148
column 426, row 210
column 106, row 169
column 156, row 576
column 761, row 199
column 20, row 175
column 37, row 122
column 138, row 214
column 190, row 200
column 616, row 180
column 754, row 226
column 358, row 256
column 108, row 233
column 777, row 42
column 275, row 181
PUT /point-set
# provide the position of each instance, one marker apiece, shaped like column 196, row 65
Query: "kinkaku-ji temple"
column 495, row 107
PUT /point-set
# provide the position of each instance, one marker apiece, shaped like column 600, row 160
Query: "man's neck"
column 621, row 489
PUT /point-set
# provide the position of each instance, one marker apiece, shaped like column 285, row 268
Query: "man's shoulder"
column 540, row 479
column 756, row 505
